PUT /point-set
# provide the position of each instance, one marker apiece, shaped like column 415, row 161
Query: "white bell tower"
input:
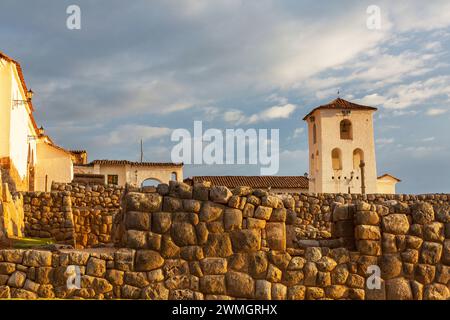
column 341, row 138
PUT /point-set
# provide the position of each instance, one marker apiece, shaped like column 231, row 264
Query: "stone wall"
column 183, row 242
column 49, row 215
column 94, row 208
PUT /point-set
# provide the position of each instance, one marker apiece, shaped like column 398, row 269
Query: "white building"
column 28, row 157
column 341, row 138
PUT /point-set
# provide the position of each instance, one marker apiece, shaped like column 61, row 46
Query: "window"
column 314, row 134
column 336, row 159
column 173, row 176
column 358, row 156
column 113, row 179
column 346, row 129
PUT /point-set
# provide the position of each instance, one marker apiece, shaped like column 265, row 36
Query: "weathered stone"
column 115, row 277
column 155, row 291
column 276, row 235
column 124, row 259
column 293, row 277
column 314, row 293
column 296, row 263
column 137, row 220
column 154, row 241
column 366, row 232
column 96, row 267
column 136, row 279
column 310, row 272
column 232, row 219
column 156, row 275
column 190, row 205
column 395, row 224
column 274, row 274
column 246, row 240
column 240, row 285
column 434, row 232
column 340, row 274
column 413, row 242
column 390, row 265
column 161, row 222
column 214, row 266
column 258, row 264
column 424, row 273
column 263, row 213
column 436, row 291
column 192, row 253
column 213, row 284
column 23, row 294
column 172, row 204
column 443, row 274
column 5, row 292
column 341, row 212
column 278, row 215
column 279, row 291
column 35, row 258
column 31, row 285
column 263, row 290
column 220, row 194
column 147, row 260
column 369, row 247
column 431, row 253
column 17, row 279
column 389, row 244
column 410, row 256
column 218, row 245
column 130, row 292
column 253, row 223
column 446, row 255
column 211, row 211
column 101, row 285
column 78, row 258
column 336, row 292
column 7, row 268
column 183, row 234
column 417, row 290
column 248, row 211
column 144, row 202
column 398, row 289
column 280, row 258
column 367, row 218
column 136, row 239
column 423, row 213
column 326, row 264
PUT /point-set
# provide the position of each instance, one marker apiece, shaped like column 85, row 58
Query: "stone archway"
column 150, row 182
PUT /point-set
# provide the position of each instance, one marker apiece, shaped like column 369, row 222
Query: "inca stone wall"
column 185, row 242
column 49, row 215
column 94, row 208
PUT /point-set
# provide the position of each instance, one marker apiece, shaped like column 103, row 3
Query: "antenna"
column 142, row 153
column 338, row 93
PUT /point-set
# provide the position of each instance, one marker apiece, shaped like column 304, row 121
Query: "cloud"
column 429, row 139
column 298, row 132
column 133, row 133
column 272, row 113
column 436, row 112
column 384, row 141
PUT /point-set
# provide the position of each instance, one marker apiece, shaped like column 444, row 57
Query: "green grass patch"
column 25, row 243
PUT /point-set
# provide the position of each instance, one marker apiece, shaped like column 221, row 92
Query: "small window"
column 174, row 176
column 346, row 129
column 314, row 134
column 336, row 159
column 358, row 156
column 113, row 179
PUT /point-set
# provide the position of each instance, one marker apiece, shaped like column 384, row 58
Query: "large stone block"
column 423, row 213
column 434, row 231
column 263, row 213
column 246, row 240
column 147, row 260
column 263, row 290
column 144, row 202
column 369, row 247
column 96, row 267
column 276, row 235
column 390, row 265
column 366, row 232
column 395, row 224
column 183, row 234
column 137, row 220
column 214, row 266
column 431, row 252
column 161, row 222
column 436, row 291
column 240, row 285
column 296, row 292
column 218, row 245
column 136, row 239
column 367, row 218
column 220, row 194
column 213, row 284
column 424, row 273
column 232, row 219
column 211, row 211
column 398, row 289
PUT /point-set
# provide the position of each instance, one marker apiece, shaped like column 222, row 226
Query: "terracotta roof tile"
column 255, row 181
column 340, row 104
column 125, row 162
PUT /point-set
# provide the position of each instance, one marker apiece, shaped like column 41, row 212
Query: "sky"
column 140, row 69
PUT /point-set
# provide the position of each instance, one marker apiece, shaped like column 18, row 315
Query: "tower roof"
column 340, row 104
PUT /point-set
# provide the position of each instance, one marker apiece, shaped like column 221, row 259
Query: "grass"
column 27, row 243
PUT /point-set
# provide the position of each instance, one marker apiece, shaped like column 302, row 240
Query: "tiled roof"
column 147, row 164
column 340, row 104
column 255, row 181
column 390, row 176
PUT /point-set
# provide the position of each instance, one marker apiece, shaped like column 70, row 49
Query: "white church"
column 342, row 150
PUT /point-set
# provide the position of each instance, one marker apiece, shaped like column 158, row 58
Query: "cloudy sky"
column 139, row 69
